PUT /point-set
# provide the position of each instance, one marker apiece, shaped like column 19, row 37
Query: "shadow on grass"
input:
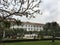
column 54, row 43
column 34, row 42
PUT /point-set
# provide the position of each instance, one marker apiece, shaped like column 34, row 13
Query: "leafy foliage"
column 51, row 29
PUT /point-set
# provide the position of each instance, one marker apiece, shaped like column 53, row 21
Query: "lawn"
column 57, row 42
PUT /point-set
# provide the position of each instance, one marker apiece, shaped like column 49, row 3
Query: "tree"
column 18, row 22
column 4, row 25
column 40, row 34
column 9, row 8
column 9, row 33
column 20, row 32
column 51, row 29
column 27, row 8
column 58, row 32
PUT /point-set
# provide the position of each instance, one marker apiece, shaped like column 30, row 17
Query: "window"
column 40, row 26
column 34, row 26
column 31, row 25
column 37, row 26
column 26, row 25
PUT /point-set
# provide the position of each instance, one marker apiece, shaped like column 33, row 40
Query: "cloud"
column 51, row 12
column 53, row 7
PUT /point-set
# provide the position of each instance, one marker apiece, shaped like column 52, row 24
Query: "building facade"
column 30, row 27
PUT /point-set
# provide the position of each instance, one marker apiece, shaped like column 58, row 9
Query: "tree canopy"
column 51, row 29
column 9, row 8
column 27, row 8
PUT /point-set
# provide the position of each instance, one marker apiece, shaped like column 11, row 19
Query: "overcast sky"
column 51, row 12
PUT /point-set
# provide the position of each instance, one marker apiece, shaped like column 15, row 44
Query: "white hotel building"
column 29, row 26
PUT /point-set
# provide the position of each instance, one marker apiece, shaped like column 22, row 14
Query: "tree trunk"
column 53, row 38
column 3, row 34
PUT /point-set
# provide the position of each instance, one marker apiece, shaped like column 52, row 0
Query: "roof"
column 32, row 23
column 11, row 19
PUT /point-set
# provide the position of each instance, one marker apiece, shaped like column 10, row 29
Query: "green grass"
column 57, row 42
